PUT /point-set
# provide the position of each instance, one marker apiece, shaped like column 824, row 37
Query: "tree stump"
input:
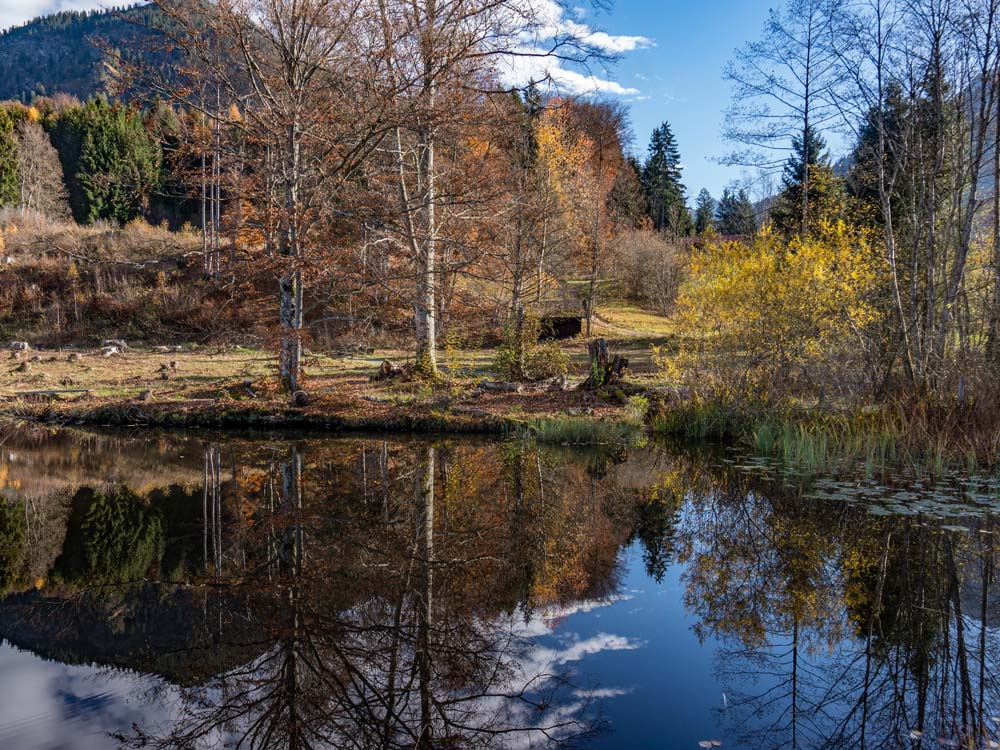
column 605, row 370
column 389, row 370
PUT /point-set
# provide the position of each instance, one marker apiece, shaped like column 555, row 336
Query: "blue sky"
column 671, row 67
column 680, row 77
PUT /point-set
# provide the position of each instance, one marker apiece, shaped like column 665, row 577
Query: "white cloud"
column 549, row 29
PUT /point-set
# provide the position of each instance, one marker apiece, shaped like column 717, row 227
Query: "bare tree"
column 298, row 73
column 40, row 172
column 784, row 86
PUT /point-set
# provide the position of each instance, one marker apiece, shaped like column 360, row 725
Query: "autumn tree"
column 300, row 75
column 627, row 199
column 441, row 55
column 562, row 168
column 606, row 127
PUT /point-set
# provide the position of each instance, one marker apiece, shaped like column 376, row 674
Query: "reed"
column 578, row 431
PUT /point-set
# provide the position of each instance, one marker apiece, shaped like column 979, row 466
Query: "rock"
column 300, row 398
column 74, row 357
column 35, row 358
column 119, row 343
column 111, row 351
column 19, row 346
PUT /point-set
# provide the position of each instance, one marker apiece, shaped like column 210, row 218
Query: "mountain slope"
column 57, row 53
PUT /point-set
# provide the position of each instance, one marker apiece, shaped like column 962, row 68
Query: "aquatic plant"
column 579, row 430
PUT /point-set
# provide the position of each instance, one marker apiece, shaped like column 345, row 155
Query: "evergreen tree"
column 661, row 180
column 704, row 213
column 735, row 214
column 110, row 161
column 790, row 214
column 9, row 173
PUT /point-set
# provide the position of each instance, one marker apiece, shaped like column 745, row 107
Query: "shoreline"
column 134, row 413
column 594, row 428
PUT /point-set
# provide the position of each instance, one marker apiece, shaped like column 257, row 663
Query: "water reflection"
column 218, row 591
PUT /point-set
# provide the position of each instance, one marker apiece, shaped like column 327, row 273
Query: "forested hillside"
column 58, row 54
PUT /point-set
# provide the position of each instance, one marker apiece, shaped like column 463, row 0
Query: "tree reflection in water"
column 385, row 594
column 397, row 613
column 842, row 629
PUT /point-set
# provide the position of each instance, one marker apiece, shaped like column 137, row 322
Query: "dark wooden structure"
column 556, row 327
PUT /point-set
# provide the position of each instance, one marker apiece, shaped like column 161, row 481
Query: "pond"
column 218, row 590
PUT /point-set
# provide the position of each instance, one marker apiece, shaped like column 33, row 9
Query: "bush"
column 520, row 356
column 775, row 316
column 651, row 267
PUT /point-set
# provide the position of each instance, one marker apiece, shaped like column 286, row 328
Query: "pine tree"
column 704, row 213
column 9, row 173
column 110, row 161
column 794, row 213
column 735, row 214
column 661, row 180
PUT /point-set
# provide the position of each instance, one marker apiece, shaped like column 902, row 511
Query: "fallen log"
column 494, row 387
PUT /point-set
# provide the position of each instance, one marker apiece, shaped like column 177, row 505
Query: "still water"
column 213, row 590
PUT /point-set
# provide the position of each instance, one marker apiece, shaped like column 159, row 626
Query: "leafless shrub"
column 651, row 268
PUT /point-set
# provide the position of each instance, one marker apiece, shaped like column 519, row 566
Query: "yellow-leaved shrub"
column 776, row 314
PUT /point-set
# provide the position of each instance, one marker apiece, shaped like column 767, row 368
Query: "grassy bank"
column 216, row 387
column 936, row 436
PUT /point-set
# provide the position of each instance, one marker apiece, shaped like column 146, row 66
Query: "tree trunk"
column 290, row 284
column 426, row 322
